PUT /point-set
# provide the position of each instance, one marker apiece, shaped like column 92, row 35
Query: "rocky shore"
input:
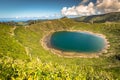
column 45, row 42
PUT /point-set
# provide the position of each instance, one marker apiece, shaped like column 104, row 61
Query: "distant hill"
column 109, row 17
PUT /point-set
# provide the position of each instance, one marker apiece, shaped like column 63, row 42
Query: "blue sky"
column 33, row 8
column 56, row 8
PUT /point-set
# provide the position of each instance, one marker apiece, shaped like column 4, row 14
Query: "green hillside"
column 109, row 17
column 22, row 56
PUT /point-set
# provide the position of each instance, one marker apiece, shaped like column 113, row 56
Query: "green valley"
column 22, row 56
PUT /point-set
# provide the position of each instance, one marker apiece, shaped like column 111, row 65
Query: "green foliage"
column 37, row 70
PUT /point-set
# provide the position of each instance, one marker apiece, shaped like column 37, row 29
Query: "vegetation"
column 110, row 17
column 36, row 70
column 22, row 56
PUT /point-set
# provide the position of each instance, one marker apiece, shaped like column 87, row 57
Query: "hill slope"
column 109, row 17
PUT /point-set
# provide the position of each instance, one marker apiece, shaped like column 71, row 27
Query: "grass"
column 28, row 59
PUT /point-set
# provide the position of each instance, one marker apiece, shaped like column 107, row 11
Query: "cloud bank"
column 100, row 7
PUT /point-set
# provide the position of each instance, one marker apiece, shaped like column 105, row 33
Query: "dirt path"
column 27, row 52
column 12, row 31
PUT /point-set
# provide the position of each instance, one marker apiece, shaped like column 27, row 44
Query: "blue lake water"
column 77, row 42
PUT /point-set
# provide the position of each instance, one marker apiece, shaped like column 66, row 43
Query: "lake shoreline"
column 45, row 42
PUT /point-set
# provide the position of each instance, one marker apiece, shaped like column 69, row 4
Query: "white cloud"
column 101, row 6
column 47, row 16
column 69, row 11
column 86, row 10
column 106, row 6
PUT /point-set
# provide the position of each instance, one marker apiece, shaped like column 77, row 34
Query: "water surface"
column 77, row 42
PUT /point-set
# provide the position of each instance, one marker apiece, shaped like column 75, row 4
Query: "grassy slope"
column 110, row 17
column 8, row 44
column 25, row 45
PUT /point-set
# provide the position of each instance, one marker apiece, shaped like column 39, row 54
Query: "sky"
column 56, row 8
